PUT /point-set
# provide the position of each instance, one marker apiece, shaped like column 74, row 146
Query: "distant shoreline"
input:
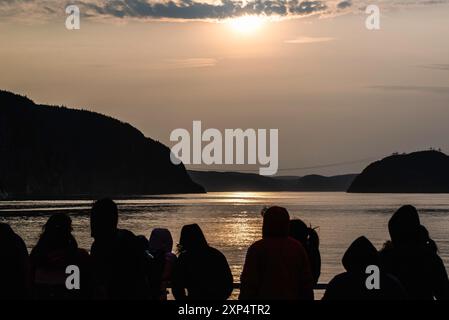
column 182, row 195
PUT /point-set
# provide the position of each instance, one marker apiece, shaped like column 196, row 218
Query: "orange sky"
column 336, row 91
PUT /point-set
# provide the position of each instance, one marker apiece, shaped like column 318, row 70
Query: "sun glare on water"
column 246, row 24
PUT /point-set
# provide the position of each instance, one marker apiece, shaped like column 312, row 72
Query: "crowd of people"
column 284, row 265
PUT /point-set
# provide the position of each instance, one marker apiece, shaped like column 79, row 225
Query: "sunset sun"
column 246, row 24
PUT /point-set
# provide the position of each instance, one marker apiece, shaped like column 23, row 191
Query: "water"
column 231, row 221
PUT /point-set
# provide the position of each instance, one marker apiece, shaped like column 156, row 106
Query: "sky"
column 336, row 91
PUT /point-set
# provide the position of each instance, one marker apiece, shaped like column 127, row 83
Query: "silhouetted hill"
column 49, row 151
column 321, row 183
column 418, row 172
column 214, row 181
column 236, row 181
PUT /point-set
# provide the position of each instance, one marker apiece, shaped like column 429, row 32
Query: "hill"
column 418, row 172
column 236, row 181
column 56, row 152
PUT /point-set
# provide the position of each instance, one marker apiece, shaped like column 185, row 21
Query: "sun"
column 246, row 24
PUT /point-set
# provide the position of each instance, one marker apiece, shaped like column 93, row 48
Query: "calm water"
column 232, row 221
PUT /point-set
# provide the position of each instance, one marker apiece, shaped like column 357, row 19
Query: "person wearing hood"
column 412, row 257
column 163, row 261
column 351, row 285
column 276, row 267
column 14, row 265
column 200, row 269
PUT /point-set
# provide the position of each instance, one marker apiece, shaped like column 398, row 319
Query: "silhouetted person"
column 200, row 269
column 55, row 250
column 351, row 285
column 412, row 257
column 426, row 241
column 14, row 265
column 311, row 243
column 163, row 262
column 276, row 267
column 119, row 262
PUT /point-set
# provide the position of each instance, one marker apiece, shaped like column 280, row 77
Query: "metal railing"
column 318, row 286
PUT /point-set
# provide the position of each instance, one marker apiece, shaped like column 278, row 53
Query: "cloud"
column 195, row 9
column 190, row 9
column 302, row 40
column 191, row 63
column 437, row 66
column 425, row 89
column 344, row 4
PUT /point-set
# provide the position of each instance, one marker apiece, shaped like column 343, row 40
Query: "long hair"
column 310, row 240
column 56, row 235
column 306, row 235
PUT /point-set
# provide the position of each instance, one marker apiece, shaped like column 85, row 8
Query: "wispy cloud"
column 303, row 40
column 344, row 4
column 437, row 66
column 425, row 89
column 191, row 63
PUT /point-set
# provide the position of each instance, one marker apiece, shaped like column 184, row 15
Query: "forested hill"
column 417, row 172
column 57, row 152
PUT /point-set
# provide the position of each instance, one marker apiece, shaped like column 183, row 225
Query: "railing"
column 318, row 286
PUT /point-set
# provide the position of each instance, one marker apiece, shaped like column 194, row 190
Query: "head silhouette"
column 161, row 240
column 304, row 234
column 360, row 254
column 142, row 242
column 9, row 242
column 276, row 222
column 404, row 226
column 192, row 238
column 103, row 218
column 299, row 230
column 56, row 235
column 6, row 233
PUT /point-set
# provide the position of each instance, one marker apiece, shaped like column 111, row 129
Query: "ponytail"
column 313, row 240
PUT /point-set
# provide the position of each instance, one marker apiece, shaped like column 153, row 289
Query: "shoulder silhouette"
column 200, row 269
column 14, row 265
column 352, row 284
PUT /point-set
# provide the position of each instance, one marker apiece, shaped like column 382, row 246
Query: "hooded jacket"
column 351, row 285
column 276, row 267
column 415, row 264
